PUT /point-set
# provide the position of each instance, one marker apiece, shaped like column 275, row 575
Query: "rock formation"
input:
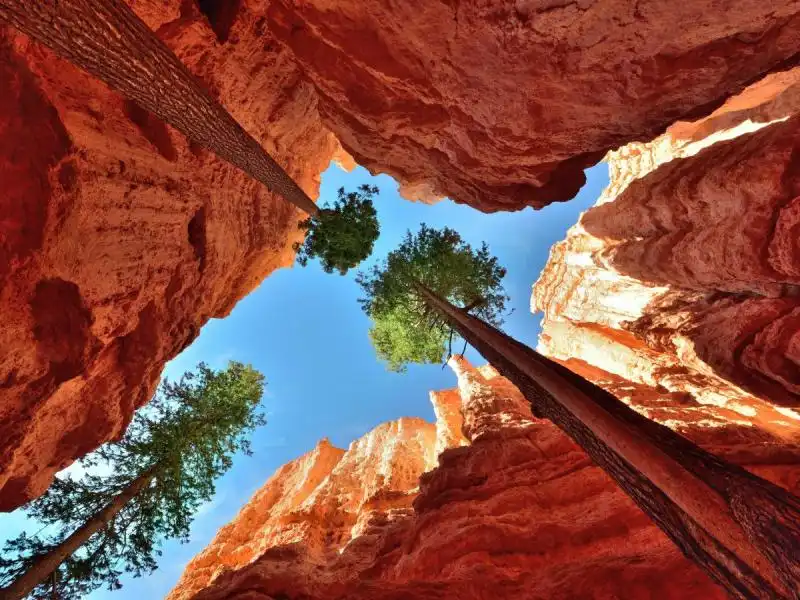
column 119, row 240
column 681, row 284
column 502, row 104
column 518, row 512
column 320, row 502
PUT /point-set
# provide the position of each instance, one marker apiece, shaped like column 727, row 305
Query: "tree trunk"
column 106, row 38
column 45, row 565
column 741, row 529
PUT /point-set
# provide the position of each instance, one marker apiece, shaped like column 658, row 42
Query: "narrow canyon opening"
column 662, row 255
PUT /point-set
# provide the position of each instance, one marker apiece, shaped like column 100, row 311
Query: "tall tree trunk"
column 108, row 40
column 45, row 565
column 741, row 529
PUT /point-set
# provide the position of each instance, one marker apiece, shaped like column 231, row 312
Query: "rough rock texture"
column 519, row 512
column 323, row 500
column 118, row 239
column 683, row 279
column 501, row 104
column 447, row 408
column 319, row 503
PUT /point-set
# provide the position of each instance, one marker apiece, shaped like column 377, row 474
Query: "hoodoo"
column 511, row 509
column 651, row 441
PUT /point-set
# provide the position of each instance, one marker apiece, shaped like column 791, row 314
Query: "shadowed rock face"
column 119, row 240
column 502, row 104
column 518, row 512
column 684, row 276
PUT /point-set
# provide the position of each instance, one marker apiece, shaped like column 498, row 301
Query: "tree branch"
column 449, row 349
column 474, row 304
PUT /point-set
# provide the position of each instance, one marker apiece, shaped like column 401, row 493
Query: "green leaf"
column 189, row 432
column 342, row 236
column 405, row 330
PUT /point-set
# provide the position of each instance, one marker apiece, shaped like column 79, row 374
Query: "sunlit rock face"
column 119, row 239
column 315, row 506
column 678, row 290
column 501, row 104
column 518, row 511
column 328, row 507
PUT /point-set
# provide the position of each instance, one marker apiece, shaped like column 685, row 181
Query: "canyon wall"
column 502, row 104
column 682, row 281
column 511, row 509
column 119, row 239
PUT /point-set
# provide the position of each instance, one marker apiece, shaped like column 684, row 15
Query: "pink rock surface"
column 501, row 104
column 118, row 239
column 519, row 512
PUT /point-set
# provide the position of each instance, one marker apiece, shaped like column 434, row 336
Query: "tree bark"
column 107, row 39
column 45, row 565
column 741, row 529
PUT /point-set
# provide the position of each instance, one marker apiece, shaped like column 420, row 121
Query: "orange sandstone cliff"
column 119, row 240
column 682, row 282
column 502, row 104
column 512, row 509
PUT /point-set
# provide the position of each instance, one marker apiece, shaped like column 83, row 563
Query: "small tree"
column 405, row 328
column 344, row 235
column 136, row 491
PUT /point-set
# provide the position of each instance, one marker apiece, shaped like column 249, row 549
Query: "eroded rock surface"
column 683, row 279
column 518, row 512
column 119, row 239
column 501, row 104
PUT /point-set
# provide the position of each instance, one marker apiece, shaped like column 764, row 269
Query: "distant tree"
column 136, row 491
column 405, row 329
column 341, row 236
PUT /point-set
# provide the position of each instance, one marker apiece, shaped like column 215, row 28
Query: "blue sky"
column 305, row 331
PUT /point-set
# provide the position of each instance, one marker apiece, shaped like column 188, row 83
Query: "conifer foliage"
column 405, row 329
column 343, row 235
column 137, row 491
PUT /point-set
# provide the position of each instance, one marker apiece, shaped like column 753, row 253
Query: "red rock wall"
column 723, row 223
column 314, row 507
column 519, row 512
column 683, row 278
column 501, row 104
column 119, row 240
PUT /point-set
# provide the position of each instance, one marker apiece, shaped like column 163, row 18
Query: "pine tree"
column 137, row 491
column 405, row 329
column 343, row 235
column 741, row 529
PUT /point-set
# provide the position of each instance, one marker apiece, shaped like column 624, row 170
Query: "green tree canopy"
column 405, row 330
column 174, row 449
column 343, row 235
